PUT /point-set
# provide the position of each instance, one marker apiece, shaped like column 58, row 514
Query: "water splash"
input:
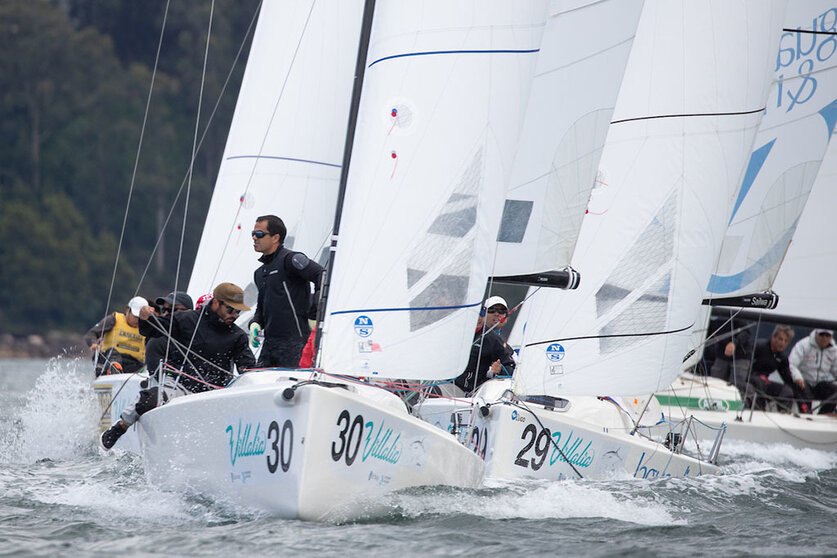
column 542, row 500
column 57, row 419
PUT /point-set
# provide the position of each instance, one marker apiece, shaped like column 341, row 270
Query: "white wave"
column 58, row 417
column 105, row 500
column 781, row 460
column 546, row 500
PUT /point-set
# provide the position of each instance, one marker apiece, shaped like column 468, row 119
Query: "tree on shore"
column 74, row 77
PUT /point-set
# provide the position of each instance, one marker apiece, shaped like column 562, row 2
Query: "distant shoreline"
column 48, row 345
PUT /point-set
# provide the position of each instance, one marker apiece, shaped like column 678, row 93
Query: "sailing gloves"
column 255, row 335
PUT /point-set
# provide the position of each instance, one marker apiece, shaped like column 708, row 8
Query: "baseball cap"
column 136, row 304
column 825, row 331
column 176, row 297
column 494, row 301
column 231, row 295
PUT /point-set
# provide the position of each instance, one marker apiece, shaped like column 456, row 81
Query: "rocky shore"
column 48, row 345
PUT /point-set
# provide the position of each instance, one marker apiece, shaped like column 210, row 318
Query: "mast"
column 360, row 69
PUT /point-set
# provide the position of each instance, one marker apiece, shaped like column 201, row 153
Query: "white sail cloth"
column 284, row 150
column 583, row 55
column 805, row 280
column 792, row 140
column 685, row 121
column 444, row 95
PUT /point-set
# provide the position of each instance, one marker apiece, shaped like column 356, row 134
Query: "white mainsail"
column 789, row 148
column 685, row 121
column 444, row 96
column 284, row 150
column 585, row 48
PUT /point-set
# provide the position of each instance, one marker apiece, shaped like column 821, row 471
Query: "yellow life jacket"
column 124, row 338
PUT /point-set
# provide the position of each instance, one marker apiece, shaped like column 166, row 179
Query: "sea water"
column 61, row 495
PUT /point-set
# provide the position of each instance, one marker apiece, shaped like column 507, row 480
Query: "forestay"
column 444, row 94
column 585, row 48
column 792, row 140
column 283, row 153
column 684, row 126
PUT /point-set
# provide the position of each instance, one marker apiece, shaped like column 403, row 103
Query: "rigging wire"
column 522, row 405
column 749, row 373
column 134, row 172
column 186, row 351
column 136, row 159
column 186, row 200
column 187, row 176
column 209, row 121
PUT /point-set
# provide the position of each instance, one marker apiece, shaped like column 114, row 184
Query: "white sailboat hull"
column 115, row 392
column 589, row 438
column 326, row 453
column 713, row 402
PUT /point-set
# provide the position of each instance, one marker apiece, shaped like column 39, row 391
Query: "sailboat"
column 423, row 177
column 114, row 392
column 766, row 213
column 684, row 123
column 283, row 155
column 809, row 302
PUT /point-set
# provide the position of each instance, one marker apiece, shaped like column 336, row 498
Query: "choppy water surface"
column 60, row 495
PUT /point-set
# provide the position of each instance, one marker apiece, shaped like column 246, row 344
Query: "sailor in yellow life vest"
column 120, row 345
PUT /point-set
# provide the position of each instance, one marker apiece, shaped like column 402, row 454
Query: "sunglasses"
column 494, row 311
column 259, row 234
column 230, row 309
column 168, row 309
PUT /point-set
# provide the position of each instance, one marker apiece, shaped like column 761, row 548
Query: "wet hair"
column 782, row 328
column 275, row 225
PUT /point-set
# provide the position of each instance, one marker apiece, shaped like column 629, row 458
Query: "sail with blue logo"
column 685, row 121
column 793, row 137
column 444, row 95
column 284, row 149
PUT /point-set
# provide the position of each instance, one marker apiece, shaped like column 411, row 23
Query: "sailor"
column 732, row 359
column 121, row 347
column 175, row 301
column 813, row 364
column 490, row 355
column 205, row 345
column 157, row 347
column 768, row 357
column 285, row 304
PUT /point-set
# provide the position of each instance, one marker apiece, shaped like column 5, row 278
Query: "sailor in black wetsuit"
column 285, row 303
column 157, row 348
column 767, row 358
column 490, row 355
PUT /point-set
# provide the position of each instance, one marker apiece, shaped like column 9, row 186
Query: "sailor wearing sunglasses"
column 285, row 302
column 490, row 356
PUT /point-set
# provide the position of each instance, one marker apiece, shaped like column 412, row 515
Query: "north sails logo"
column 363, row 326
column 555, row 352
